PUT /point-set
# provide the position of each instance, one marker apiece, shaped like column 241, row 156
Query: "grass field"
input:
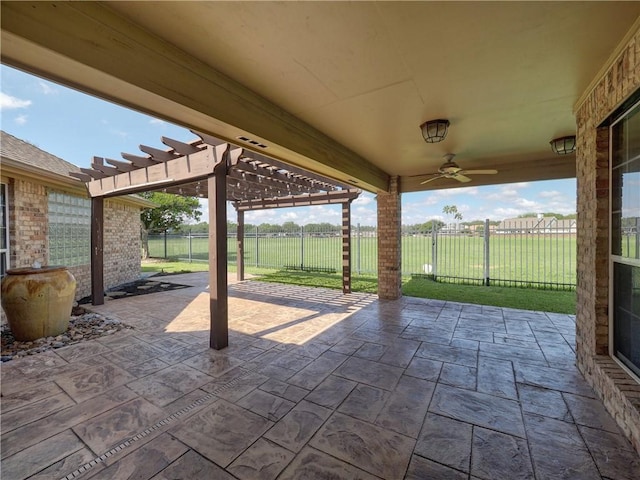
column 548, row 261
column 509, row 297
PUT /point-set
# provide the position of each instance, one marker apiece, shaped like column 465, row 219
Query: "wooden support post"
column 240, row 246
column 97, row 251
column 218, row 299
column 346, row 247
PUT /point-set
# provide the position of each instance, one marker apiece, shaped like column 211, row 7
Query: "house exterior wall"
column 28, row 228
column 29, row 239
column 618, row 390
column 389, row 242
column 122, row 244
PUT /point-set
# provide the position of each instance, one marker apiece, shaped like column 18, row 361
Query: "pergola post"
column 97, row 251
column 240, row 246
column 346, row 247
column 218, row 296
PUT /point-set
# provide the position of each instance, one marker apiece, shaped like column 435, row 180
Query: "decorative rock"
column 84, row 325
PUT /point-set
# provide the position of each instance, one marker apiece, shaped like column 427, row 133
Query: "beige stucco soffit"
column 88, row 46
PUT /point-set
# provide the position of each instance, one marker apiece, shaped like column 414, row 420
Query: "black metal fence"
column 536, row 254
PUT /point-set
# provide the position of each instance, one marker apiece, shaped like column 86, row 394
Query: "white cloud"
column 455, row 192
column 549, row 194
column 157, row 121
column 7, row 102
column 260, row 216
column 47, row 89
column 530, row 204
column 21, row 119
column 502, row 213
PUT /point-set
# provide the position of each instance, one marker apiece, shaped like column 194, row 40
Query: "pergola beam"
column 328, row 198
column 83, row 177
column 180, row 147
column 105, row 169
column 95, row 174
column 246, row 166
column 121, row 166
column 157, row 154
column 293, row 169
column 253, row 180
column 139, row 161
column 180, row 170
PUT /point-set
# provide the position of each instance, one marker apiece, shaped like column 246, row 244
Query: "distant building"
column 537, row 225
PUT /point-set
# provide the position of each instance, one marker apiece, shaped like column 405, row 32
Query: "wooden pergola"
column 211, row 168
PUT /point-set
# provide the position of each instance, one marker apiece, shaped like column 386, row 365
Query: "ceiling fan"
column 450, row 169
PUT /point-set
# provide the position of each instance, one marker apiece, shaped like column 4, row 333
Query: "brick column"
column 592, row 328
column 389, row 242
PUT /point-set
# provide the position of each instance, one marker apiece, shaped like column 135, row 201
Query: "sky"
column 76, row 127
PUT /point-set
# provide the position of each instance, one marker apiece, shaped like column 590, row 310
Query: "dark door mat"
column 139, row 287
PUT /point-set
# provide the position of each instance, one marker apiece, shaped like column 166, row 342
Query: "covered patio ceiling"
column 339, row 88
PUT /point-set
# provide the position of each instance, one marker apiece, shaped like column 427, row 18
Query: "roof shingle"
column 21, row 151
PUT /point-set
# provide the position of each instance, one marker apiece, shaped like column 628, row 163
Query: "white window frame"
column 5, row 207
column 616, row 258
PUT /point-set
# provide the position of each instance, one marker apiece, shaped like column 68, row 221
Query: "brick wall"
column 389, row 242
column 620, row 393
column 28, row 236
column 121, row 243
column 27, row 223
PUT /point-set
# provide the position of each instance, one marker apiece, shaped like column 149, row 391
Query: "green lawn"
column 510, row 297
column 170, row 267
column 521, row 260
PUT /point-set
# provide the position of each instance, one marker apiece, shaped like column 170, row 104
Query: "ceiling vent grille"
column 252, row 142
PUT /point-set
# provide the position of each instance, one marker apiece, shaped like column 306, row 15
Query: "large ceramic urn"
column 38, row 301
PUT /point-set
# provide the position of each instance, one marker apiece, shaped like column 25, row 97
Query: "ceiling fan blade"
column 431, row 179
column 479, row 172
column 461, row 178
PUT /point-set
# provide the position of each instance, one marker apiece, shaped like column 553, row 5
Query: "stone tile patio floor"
column 314, row 384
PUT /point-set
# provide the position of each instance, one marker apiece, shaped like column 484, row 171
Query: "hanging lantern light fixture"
column 434, row 131
column 563, row 145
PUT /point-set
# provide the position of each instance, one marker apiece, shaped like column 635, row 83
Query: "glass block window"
column 69, row 230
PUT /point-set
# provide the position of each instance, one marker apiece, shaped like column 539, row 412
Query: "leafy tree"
column 323, row 227
column 452, row 210
column 171, row 212
column 269, row 228
column 290, row 227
